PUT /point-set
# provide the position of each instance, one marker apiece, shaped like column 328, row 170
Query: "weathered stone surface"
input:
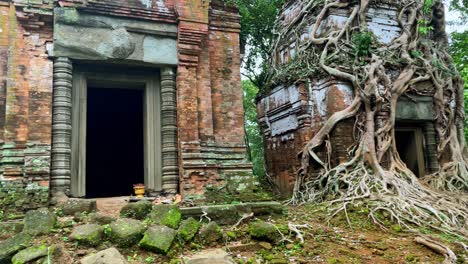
column 10, row 228
column 418, row 108
column 165, row 214
column 12, row 245
column 211, row 233
column 30, row 254
column 90, row 234
column 100, row 219
column 198, row 44
column 262, row 230
column 73, row 206
column 19, row 196
column 211, row 256
column 229, row 214
column 158, row 239
column 95, row 37
column 188, row 229
column 126, row 232
column 138, row 210
column 108, row 256
column 39, row 222
column 64, row 222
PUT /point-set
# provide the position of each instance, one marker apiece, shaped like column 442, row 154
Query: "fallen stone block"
column 75, row 205
column 89, row 234
column 158, row 239
column 108, row 256
column 138, row 210
column 212, row 256
column 263, row 231
column 39, row 222
column 126, row 232
column 166, row 214
column 12, row 245
column 30, row 254
column 188, row 229
column 211, row 233
column 10, row 228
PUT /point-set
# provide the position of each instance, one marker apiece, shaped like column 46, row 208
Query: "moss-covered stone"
column 188, row 229
column 100, row 219
column 9, row 229
column 262, row 230
column 75, row 205
column 138, row 210
column 110, row 256
column 17, row 197
column 165, row 214
column 126, row 232
column 158, row 239
column 211, row 233
column 65, row 222
column 12, row 245
column 39, row 222
column 30, row 254
column 89, row 234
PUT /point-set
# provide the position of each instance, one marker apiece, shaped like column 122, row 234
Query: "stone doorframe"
column 68, row 161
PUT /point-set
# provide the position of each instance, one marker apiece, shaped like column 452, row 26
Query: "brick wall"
column 209, row 94
column 210, row 111
column 25, row 102
column 290, row 116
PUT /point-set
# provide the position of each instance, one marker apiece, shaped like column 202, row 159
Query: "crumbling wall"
column 210, row 116
column 25, row 101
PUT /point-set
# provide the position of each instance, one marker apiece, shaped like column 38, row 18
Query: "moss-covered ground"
column 333, row 241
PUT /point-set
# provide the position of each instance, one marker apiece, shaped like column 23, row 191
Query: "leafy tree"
column 257, row 21
column 253, row 136
column 459, row 52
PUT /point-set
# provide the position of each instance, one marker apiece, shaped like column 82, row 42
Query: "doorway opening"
column 115, row 157
column 410, row 142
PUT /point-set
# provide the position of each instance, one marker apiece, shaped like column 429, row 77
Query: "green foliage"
column 362, row 42
column 427, row 6
column 150, row 259
column 459, row 52
column 253, row 134
column 423, row 27
column 423, row 24
column 107, row 230
column 257, row 22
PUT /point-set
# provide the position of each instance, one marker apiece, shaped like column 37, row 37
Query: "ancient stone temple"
column 290, row 114
column 98, row 95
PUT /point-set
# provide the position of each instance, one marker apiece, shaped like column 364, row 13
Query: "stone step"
column 229, row 214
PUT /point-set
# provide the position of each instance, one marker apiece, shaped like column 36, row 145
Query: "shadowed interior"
column 114, row 141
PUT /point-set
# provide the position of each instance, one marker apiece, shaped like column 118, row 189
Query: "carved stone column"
column 432, row 163
column 61, row 126
column 170, row 169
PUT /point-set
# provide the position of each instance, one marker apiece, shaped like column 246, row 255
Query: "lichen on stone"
column 262, row 230
column 165, row 214
column 158, row 239
column 188, row 229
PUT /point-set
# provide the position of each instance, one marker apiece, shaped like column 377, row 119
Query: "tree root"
column 375, row 173
column 450, row 257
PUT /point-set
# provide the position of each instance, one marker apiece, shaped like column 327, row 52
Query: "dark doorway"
column 409, row 143
column 114, row 141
